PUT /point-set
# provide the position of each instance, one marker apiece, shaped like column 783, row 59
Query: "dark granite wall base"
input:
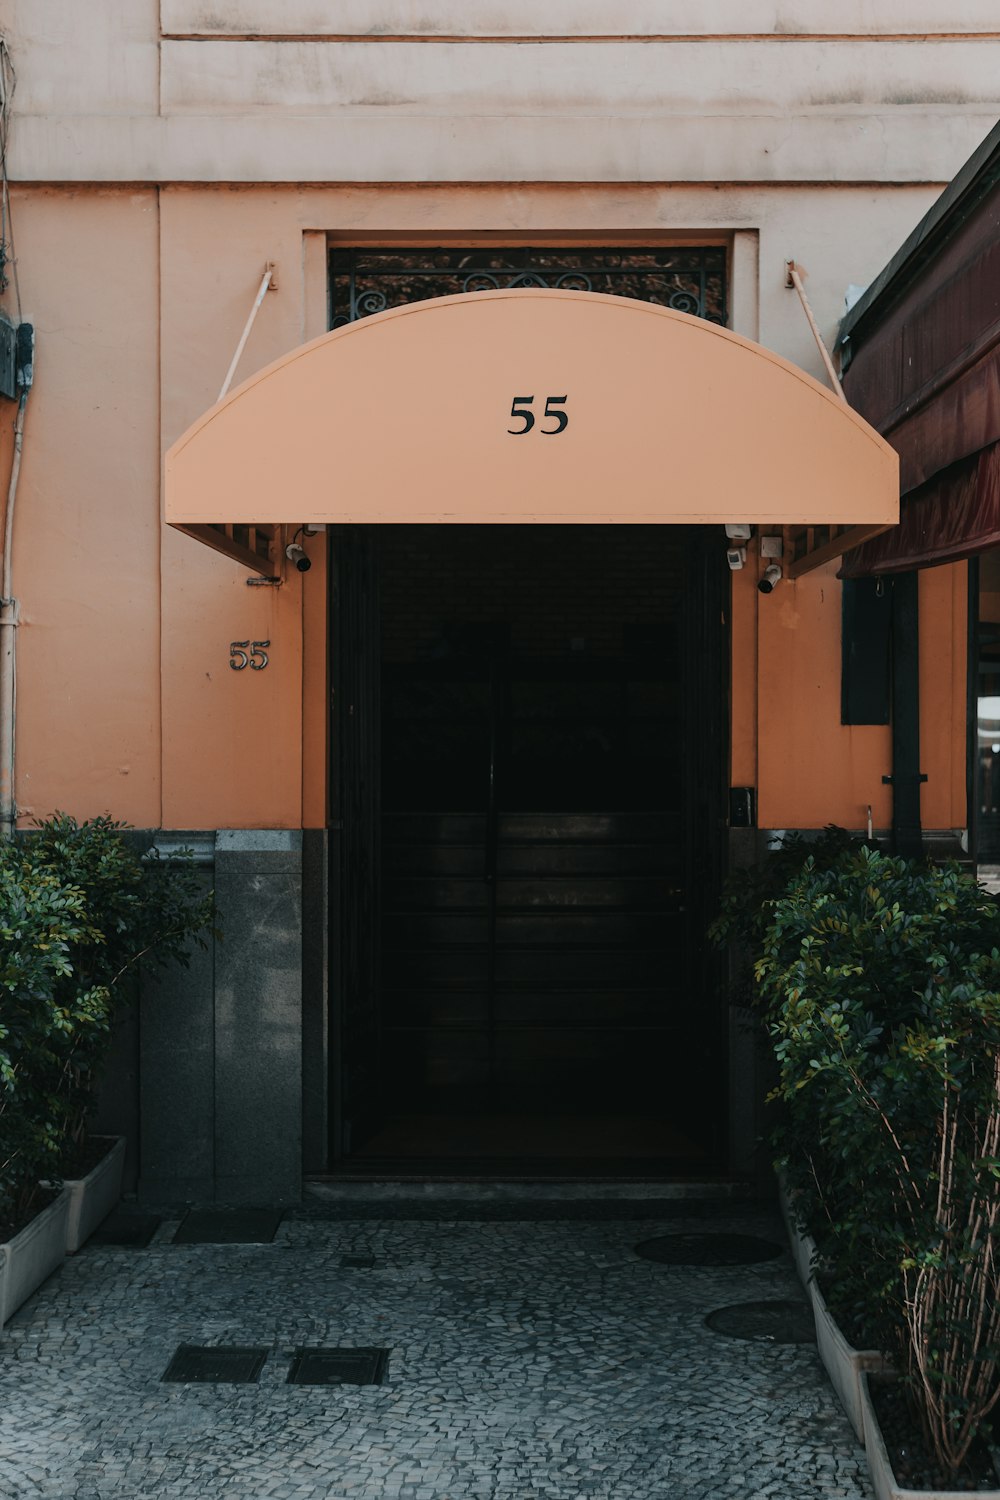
column 117, row 1111
column 258, row 1016
column 176, row 1080
column 206, row 1079
column 219, row 1079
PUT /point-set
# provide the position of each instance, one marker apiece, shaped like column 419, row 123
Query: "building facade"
column 466, row 935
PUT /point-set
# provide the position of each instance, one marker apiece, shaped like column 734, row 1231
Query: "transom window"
column 689, row 279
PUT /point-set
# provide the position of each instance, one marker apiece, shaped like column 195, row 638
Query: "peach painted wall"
column 139, row 297
column 813, row 769
column 743, row 674
column 232, row 745
column 944, row 627
column 88, row 535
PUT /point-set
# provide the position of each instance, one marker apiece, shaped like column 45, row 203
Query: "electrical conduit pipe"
column 8, row 626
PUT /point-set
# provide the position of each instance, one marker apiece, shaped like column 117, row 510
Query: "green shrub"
column 879, row 983
column 40, row 918
column 748, row 897
column 81, row 907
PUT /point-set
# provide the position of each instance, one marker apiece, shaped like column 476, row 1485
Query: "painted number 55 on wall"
column 252, row 654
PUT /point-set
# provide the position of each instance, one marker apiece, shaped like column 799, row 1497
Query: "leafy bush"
column 746, row 908
column 40, row 918
column 80, row 908
column 878, row 980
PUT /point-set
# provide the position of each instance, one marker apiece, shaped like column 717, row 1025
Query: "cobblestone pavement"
column 529, row 1359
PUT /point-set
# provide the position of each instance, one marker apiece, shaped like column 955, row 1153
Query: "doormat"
column 229, row 1364
column 339, row 1367
column 768, row 1322
column 708, row 1250
column 357, row 1262
column 228, row 1226
column 126, row 1231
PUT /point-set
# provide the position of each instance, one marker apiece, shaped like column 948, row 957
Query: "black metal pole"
column 906, row 774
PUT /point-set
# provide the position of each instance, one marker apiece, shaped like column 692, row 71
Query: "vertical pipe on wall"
column 8, row 637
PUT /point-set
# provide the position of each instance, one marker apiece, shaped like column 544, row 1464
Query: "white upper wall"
column 500, row 90
column 575, row 18
column 561, row 78
column 82, row 59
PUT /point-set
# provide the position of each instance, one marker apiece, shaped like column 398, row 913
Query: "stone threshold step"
column 514, row 1189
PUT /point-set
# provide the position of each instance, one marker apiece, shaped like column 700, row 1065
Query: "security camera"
column 736, row 557
column 771, row 576
column 297, row 555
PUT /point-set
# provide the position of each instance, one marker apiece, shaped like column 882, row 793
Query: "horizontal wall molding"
column 584, row 19
column 544, row 39
column 509, row 79
column 918, row 144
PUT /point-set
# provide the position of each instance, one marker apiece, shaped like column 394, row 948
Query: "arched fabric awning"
column 526, row 406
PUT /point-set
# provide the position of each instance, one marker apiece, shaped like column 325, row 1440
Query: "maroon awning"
column 921, row 356
column 955, row 515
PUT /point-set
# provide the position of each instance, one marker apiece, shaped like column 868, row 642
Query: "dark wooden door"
column 544, row 842
column 355, row 848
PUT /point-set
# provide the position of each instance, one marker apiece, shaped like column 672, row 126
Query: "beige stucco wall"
column 389, row 92
column 157, row 172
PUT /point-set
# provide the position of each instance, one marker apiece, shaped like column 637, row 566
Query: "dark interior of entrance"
column 530, row 773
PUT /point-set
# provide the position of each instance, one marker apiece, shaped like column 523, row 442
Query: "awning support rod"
column 793, row 278
column 846, row 541
column 268, row 283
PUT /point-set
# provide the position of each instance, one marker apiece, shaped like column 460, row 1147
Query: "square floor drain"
column 229, row 1364
column 339, row 1367
column 228, row 1226
column 357, row 1262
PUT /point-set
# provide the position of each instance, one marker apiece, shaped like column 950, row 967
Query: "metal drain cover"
column 339, row 1367
column 708, row 1249
column 769, row 1322
column 221, row 1363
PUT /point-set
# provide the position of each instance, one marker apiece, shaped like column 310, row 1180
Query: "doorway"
column 529, row 741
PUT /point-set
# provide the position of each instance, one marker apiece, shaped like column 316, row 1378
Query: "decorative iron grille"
column 689, row 279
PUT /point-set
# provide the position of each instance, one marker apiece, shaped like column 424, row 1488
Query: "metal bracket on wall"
column 793, row 278
column 269, row 283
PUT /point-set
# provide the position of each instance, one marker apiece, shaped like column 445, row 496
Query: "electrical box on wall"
column 8, row 359
column 17, row 353
column 742, row 807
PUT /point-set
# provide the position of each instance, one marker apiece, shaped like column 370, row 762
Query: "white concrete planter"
column 30, row 1256
column 883, row 1479
column 92, row 1198
column 845, row 1365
